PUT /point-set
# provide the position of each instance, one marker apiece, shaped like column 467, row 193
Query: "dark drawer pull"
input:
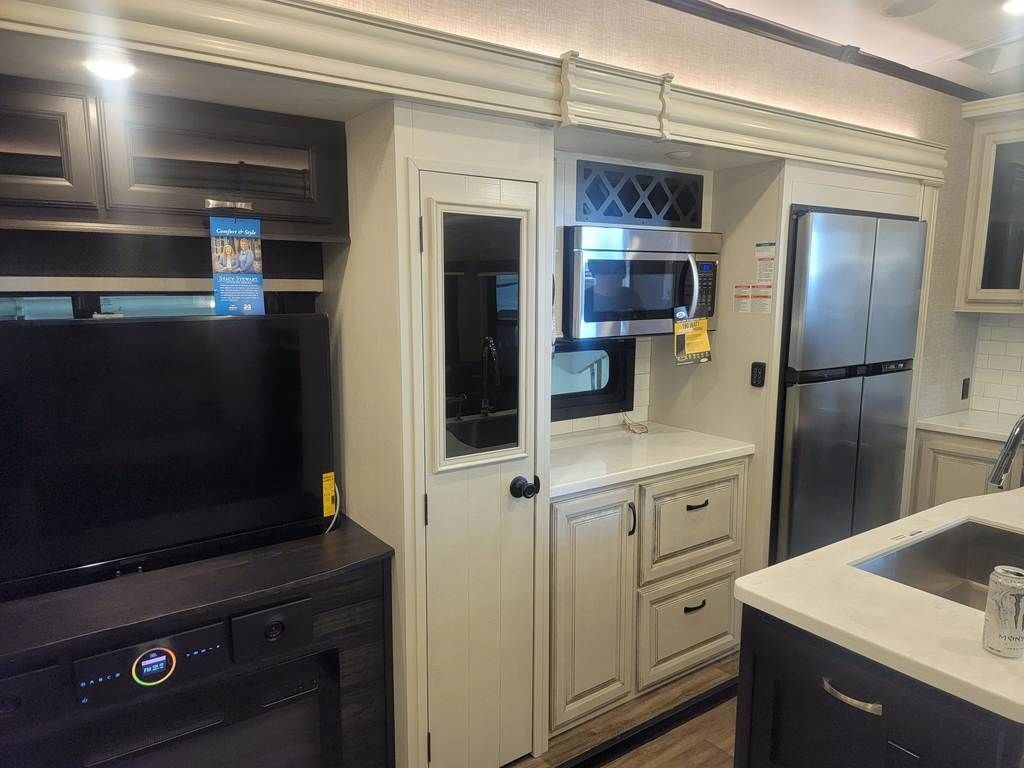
column 691, row 507
column 870, row 707
column 695, row 608
column 632, row 519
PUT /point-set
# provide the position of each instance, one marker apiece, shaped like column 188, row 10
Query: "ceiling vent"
column 997, row 58
column 901, row 8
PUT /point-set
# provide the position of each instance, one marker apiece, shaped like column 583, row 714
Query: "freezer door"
column 819, row 464
column 831, row 290
column 895, row 290
column 883, row 444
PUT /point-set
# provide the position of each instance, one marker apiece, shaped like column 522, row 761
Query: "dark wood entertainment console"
column 278, row 656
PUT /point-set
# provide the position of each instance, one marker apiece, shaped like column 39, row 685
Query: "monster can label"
column 1004, row 612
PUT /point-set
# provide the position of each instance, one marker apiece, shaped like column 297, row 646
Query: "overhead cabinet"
column 991, row 277
column 165, row 165
column 46, row 148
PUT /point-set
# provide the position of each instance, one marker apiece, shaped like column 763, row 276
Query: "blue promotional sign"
column 237, row 253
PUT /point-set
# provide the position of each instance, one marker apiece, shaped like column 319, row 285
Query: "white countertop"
column 983, row 424
column 925, row 636
column 597, row 458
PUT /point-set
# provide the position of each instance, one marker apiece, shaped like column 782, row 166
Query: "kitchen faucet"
column 490, row 374
column 1001, row 469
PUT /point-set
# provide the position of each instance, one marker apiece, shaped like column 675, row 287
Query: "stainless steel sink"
column 954, row 563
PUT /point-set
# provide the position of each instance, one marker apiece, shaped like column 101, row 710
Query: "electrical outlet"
column 965, row 389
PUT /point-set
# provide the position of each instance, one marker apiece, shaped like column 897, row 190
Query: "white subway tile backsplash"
column 642, row 381
column 641, row 397
column 979, row 403
column 1015, row 407
column 643, row 366
column 1004, row 362
column 588, row 422
column 561, row 427
column 998, row 377
column 987, row 376
column 638, row 414
column 991, row 347
column 1002, row 391
column 609, row 419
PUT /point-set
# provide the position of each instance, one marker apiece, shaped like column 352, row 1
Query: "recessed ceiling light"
column 110, row 66
column 1014, row 7
column 901, row 8
column 679, row 154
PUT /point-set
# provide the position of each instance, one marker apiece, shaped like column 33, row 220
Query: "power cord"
column 633, row 426
column 337, row 509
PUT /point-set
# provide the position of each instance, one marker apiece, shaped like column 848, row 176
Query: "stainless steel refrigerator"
column 855, row 288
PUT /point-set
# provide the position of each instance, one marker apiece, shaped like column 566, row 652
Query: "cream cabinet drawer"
column 691, row 519
column 686, row 621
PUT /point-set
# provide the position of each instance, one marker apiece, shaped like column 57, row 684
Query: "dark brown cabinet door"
column 45, row 149
column 174, row 156
column 806, row 703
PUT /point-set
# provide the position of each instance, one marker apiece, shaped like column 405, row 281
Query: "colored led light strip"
column 170, row 670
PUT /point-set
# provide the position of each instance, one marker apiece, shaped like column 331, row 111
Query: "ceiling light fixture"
column 1014, row 7
column 110, row 65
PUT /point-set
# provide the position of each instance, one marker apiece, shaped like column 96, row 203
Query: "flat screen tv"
column 132, row 444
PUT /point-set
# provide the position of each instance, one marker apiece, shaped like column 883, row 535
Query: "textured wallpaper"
column 645, row 36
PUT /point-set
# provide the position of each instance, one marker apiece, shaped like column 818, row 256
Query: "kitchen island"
column 868, row 652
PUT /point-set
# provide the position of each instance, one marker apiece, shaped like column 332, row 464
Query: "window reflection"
column 583, row 371
column 1004, row 247
column 30, row 146
column 481, row 332
column 36, row 308
column 155, row 305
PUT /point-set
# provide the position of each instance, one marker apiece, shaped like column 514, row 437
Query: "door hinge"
column 426, row 508
column 421, row 234
column 428, row 746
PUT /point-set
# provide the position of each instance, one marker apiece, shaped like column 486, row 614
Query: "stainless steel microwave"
column 627, row 282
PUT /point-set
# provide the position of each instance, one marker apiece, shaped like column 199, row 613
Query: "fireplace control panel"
column 127, row 673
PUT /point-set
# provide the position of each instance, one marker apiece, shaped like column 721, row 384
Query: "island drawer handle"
column 692, row 507
column 694, row 609
column 863, row 706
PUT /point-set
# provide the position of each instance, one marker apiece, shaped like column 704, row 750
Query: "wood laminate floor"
column 707, row 741
column 590, row 734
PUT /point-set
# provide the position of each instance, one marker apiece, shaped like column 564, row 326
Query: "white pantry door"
column 479, row 256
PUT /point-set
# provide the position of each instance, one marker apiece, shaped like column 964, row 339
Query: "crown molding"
column 310, row 41
column 994, row 107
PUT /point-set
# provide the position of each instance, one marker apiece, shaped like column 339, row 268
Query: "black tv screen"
column 129, row 442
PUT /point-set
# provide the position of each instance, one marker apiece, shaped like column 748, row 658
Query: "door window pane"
column 1004, row 247
column 30, row 146
column 481, row 256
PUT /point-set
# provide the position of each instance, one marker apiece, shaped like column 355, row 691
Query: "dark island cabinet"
column 46, row 146
column 807, row 703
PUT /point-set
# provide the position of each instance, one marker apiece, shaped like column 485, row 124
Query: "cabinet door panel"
column 691, row 519
column 45, row 149
column 173, row 156
column 686, row 621
column 951, row 467
column 592, row 603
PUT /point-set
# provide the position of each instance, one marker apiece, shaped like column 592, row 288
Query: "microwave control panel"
column 708, row 272
column 128, row 673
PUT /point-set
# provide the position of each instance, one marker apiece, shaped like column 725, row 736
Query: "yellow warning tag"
column 328, row 481
column 697, row 340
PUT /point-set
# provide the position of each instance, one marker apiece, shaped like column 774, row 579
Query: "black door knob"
column 521, row 488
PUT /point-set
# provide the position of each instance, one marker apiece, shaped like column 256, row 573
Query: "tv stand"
column 282, row 653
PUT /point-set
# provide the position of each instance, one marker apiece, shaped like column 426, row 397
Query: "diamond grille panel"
column 620, row 194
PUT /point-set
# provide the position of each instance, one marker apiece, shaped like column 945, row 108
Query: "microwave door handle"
column 696, row 285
